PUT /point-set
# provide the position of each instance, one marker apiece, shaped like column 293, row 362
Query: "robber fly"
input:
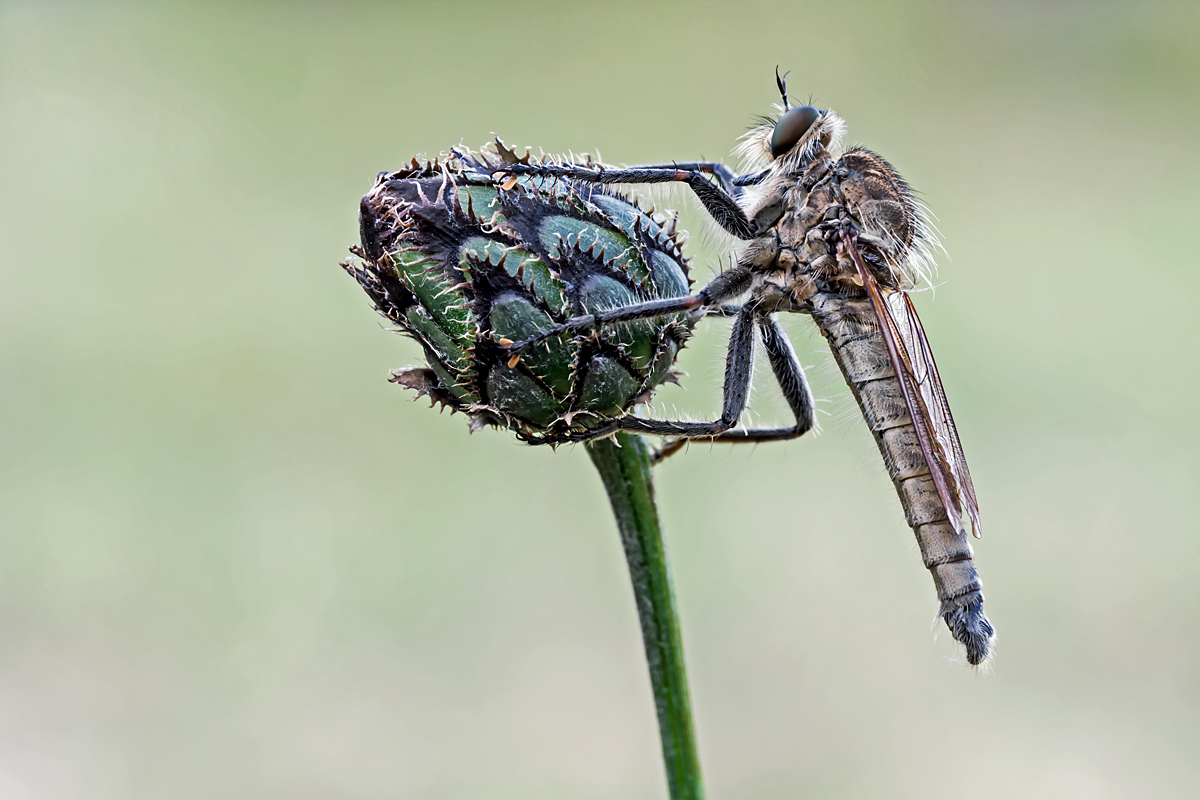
column 837, row 235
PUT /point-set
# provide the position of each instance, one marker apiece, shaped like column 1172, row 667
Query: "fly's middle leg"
column 739, row 365
column 726, row 286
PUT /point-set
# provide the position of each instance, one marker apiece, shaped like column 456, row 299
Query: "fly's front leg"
column 726, row 286
column 792, row 383
column 733, row 184
column 720, row 204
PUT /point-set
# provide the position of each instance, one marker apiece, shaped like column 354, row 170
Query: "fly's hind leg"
column 792, row 383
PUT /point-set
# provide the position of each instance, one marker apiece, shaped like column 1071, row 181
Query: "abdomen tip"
column 970, row 626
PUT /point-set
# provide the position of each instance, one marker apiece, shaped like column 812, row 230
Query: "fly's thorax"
column 892, row 226
column 769, row 262
column 765, row 203
column 876, row 194
column 860, row 195
column 788, row 179
column 809, row 253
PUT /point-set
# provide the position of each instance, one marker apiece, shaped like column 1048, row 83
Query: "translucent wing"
column 912, row 360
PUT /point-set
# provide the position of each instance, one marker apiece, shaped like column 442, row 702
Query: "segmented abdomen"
column 854, row 336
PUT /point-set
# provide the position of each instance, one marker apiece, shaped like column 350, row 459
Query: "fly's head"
column 790, row 140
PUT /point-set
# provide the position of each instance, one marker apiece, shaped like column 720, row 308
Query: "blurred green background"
column 235, row 562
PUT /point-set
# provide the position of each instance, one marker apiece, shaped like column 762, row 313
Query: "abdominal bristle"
column 970, row 626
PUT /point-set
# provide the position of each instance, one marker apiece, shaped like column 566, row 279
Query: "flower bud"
column 467, row 265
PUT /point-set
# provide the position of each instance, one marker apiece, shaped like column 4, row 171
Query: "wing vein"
column 912, row 359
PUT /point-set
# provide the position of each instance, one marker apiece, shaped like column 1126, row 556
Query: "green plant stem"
column 624, row 466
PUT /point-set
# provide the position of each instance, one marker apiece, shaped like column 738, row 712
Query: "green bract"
column 467, row 266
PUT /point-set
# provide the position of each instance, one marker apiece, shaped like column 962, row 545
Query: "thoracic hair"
column 889, row 209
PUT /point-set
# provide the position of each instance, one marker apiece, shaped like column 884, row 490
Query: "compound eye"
column 791, row 128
